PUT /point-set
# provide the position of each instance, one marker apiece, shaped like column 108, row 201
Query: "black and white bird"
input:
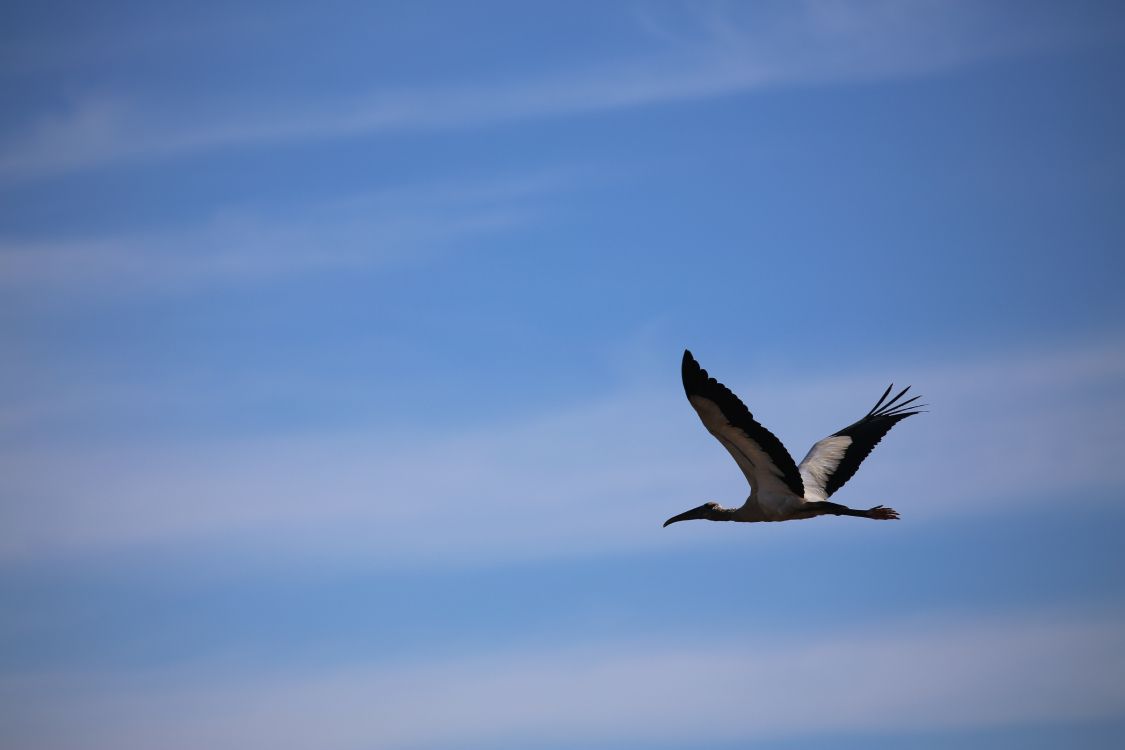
column 781, row 490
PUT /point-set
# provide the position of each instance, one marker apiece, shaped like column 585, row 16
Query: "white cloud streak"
column 906, row 677
column 724, row 50
column 1003, row 432
column 356, row 232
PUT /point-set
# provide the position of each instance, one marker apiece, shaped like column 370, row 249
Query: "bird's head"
column 707, row 510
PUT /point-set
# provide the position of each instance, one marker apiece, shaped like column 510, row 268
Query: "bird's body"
column 781, row 490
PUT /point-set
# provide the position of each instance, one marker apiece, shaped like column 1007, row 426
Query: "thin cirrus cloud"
column 370, row 495
column 945, row 674
column 361, row 231
column 714, row 51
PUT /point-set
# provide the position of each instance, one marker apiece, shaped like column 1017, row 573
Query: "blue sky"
column 341, row 402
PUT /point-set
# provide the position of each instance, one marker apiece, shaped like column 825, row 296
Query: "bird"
column 781, row 490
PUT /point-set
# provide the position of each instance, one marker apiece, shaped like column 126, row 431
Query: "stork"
column 779, row 489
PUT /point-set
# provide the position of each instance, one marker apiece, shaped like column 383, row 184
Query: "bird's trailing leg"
column 878, row 512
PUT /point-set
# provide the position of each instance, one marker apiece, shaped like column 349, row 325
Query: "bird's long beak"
column 688, row 515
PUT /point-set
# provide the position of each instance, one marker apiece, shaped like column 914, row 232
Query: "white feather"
column 821, row 463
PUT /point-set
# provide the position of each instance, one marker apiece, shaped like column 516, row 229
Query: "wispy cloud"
column 720, row 50
column 908, row 676
column 356, row 232
column 628, row 461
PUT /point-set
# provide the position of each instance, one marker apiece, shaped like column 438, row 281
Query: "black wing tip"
column 886, row 413
column 693, row 376
column 882, row 398
column 895, row 407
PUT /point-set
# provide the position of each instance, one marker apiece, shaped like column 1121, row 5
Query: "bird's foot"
column 882, row 514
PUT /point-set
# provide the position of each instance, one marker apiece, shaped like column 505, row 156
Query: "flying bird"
column 781, row 490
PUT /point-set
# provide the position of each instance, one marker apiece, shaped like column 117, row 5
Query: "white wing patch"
column 821, row 463
column 760, row 470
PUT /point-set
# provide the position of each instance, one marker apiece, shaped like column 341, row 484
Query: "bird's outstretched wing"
column 760, row 455
column 832, row 461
